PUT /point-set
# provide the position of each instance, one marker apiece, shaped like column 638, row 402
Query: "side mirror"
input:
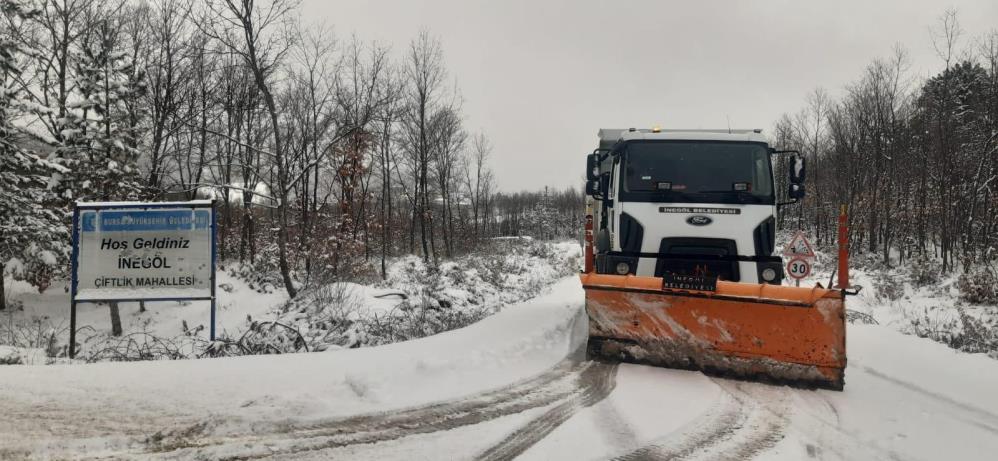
column 592, row 187
column 592, row 167
column 798, row 170
column 796, row 191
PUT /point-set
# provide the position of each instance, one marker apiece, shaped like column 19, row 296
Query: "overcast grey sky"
column 541, row 77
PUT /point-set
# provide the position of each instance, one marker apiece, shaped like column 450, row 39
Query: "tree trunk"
column 444, row 231
column 386, row 201
column 282, row 177
column 115, row 319
column 423, row 212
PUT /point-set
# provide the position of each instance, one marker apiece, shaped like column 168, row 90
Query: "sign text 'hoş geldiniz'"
column 163, row 251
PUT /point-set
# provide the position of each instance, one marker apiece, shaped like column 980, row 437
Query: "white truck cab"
column 693, row 202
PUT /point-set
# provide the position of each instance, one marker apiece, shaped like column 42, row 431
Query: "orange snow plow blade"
column 765, row 332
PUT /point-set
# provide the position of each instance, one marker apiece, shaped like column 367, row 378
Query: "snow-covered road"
column 512, row 385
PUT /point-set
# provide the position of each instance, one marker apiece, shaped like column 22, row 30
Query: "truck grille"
column 698, row 256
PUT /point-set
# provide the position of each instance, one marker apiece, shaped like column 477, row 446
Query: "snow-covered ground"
column 510, row 385
column 117, row 408
column 49, row 311
column 328, row 316
column 893, row 296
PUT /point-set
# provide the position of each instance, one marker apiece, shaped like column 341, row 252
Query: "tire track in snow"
column 762, row 416
column 992, row 420
column 617, row 431
column 767, row 418
column 815, row 418
column 784, row 408
column 739, row 426
column 596, row 382
column 710, row 428
column 560, row 383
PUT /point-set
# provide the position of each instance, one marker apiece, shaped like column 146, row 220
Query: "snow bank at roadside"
column 10, row 355
column 518, row 342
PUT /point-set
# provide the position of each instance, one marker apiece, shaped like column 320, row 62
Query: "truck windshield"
column 696, row 172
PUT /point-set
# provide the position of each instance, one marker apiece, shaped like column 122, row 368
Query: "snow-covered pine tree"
column 99, row 132
column 33, row 239
column 541, row 219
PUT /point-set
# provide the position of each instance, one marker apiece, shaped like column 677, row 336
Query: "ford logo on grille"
column 699, row 220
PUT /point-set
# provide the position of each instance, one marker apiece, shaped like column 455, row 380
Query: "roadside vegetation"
column 330, row 158
column 916, row 161
column 956, row 309
column 414, row 301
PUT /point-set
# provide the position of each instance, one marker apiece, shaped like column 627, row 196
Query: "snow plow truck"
column 681, row 268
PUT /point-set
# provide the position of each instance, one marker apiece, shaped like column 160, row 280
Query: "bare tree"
column 386, row 121
column 167, row 70
column 946, row 36
column 448, row 146
column 359, row 99
column 424, row 76
column 311, row 108
column 263, row 48
column 478, row 179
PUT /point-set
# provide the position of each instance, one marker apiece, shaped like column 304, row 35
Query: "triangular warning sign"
column 799, row 247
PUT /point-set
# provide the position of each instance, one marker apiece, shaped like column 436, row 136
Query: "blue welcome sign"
column 135, row 251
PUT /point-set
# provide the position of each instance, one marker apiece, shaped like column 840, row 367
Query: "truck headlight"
column 623, row 268
column 768, row 274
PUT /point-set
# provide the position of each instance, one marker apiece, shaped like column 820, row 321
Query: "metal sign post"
column 214, row 257
column 135, row 251
column 72, row 282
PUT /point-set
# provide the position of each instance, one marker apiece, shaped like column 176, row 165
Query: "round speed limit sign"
column 798, row 268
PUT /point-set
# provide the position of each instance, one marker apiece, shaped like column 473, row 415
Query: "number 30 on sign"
column 798, row 268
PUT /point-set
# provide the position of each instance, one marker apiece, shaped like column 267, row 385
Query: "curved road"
column 590, row 410
column 906, row 398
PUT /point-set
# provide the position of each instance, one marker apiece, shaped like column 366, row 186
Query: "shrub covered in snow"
column 428, row 299
column 959, row 329
column 10, row 356
column 978, row 285
column 410, row 322
column 923, row 271
column 31, row 334
column 261, row 275
column 140, row 345
column 888, row 286
column 862, row 318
